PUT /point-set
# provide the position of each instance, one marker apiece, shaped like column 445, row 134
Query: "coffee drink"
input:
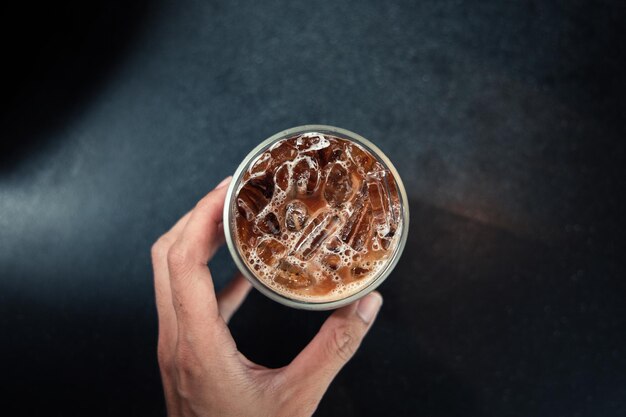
column 317, row 217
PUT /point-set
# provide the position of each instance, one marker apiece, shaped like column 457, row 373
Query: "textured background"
column 505, row 120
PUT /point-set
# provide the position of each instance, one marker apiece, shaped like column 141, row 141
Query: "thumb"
column 335, row 344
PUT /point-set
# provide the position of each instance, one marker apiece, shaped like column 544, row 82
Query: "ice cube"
column 281, row 153
column 261, row 165
column 360, row 271
column 332, row 261
column 311, row 142
column 377, row 170
column 356, row 205
column 296, row 215
column 385, row 242
column 281, row 178
column 270, row 251
column 361, row 159
column 314, row 235
column 265, row 183
column 253, row 196
column 306, row 176
column 247, row 237
column 356, row 229
column 334, row 244
column 332, row 153
column 268, row 224
column 362, row 230
column 292, row 276
column 338, row 187
column 380, row 187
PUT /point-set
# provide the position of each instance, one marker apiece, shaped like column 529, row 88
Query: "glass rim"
column 243, row 266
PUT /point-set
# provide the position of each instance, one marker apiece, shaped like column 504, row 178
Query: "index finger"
column 190, row 279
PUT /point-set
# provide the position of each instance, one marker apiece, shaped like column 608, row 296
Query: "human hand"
column 203, row 373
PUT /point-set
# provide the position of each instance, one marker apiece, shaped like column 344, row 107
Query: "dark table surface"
column 504, row 120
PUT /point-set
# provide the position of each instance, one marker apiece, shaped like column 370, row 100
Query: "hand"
column 203, row 373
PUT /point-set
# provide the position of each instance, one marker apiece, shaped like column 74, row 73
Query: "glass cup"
column 231, row 233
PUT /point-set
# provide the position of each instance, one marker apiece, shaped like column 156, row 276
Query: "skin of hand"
column 202, row 371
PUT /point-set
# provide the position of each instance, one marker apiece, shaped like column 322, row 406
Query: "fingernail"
column 369, row 306
column 224, row 182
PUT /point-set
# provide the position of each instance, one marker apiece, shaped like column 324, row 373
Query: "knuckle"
column 344, row 342
column 186, row 362
column 177, row 257
column 160, row 247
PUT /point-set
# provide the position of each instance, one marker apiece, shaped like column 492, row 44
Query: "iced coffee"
column 317, row 217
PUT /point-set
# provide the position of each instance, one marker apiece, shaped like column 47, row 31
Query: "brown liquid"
column 317, row 217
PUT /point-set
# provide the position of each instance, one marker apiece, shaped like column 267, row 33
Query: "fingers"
column 165, row 299
column 190, row 279
column 335, row 344
column 163, row 292
column 168, row 328
column 203, row 233
column 231, row 297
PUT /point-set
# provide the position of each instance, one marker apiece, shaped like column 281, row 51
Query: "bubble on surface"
column 332, row 261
